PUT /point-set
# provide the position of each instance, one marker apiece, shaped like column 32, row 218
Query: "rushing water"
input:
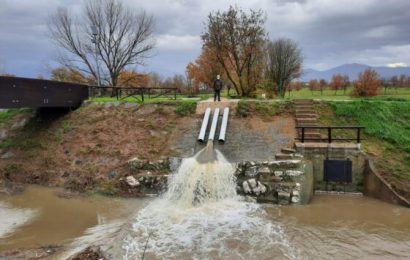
column 201, row 217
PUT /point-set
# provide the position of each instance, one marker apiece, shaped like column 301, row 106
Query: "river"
column 201, row 217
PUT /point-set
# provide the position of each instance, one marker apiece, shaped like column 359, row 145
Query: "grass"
column 386, row 134
column 8, row 114
column 328, row 94
column 185, row 108
column 265, row 109
column 389, row 121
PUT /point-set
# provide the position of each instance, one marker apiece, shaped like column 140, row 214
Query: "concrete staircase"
column 306, row 116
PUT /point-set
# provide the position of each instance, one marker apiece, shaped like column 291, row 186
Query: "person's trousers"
column 217, row 94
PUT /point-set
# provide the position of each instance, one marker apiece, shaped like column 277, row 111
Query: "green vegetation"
column 386, row 138
column 328, row 94
column 389, row 121
column 66, row 126
column 185, row 108
column 10, row 113
column 262, row 108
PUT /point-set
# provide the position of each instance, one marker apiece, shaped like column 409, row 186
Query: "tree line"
column 369, row 83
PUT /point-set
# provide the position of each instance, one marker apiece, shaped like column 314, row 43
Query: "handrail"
column 329, row 133
column 140, row 91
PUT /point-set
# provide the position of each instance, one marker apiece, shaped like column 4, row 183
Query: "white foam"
column 201, row 217
column 13, row 218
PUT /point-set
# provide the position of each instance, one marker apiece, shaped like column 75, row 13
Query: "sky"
column 329, row 32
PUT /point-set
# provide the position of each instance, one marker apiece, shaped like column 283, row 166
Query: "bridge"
column 18, row 92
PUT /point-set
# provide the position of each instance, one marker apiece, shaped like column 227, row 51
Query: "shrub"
column 368, row 84
column 185, row 108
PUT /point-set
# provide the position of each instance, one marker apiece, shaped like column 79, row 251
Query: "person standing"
column 218, row 84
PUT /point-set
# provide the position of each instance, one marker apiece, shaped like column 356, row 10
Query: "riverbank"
column 88, row 150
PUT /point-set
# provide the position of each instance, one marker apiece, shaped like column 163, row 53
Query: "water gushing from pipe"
column 202, row 217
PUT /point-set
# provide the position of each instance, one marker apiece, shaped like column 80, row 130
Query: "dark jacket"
column 218, row 84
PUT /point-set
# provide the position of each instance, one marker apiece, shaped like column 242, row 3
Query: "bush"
column 185, row 108
column 368, row 84
column 264, row 109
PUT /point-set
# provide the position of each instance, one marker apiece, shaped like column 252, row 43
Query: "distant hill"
column 353, row 70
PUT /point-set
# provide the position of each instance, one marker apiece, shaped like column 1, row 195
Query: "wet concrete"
column 246, row 138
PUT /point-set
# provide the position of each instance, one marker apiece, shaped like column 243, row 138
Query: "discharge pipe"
column 224, row 125
column 202, row 132
column 214, row 124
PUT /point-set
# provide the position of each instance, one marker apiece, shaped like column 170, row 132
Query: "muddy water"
column 337, row 227
column 38, row 217
column 331, row 227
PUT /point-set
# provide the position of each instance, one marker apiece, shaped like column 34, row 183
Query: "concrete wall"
column 375, row 186
column 317, row 154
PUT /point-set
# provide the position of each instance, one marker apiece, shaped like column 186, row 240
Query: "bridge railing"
column 330, row 133
column 139, row 93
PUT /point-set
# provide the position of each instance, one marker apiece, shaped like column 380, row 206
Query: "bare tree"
column 123, row 37
column 237, row 39
column 284, row 63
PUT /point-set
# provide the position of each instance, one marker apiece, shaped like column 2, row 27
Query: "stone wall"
column 279, row 182
column 317, row 154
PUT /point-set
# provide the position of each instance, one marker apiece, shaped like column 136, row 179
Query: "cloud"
column 397, row 65
column 329, row 32
column 169, row 42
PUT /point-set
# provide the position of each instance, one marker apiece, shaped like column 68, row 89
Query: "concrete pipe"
column 214, row 124
column 202, row 132
column 224, row 125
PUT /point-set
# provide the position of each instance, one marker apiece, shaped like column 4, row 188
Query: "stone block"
column 283, row 198
column 288, row 150
column 294, row 173
column 137, row 164
column 132, row 182
column 278, row 173
column 264, row 170
column 251, row 172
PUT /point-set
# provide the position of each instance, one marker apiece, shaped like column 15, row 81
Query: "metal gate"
column 337, row 171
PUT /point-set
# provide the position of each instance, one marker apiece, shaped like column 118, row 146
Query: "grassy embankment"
column 386, row 136
column 83, row 149
column 328, row 94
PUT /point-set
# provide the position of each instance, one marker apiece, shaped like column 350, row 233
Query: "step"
column 306, row 115
column 303, row 107
column 283, row 156
column 305, row 111
column 306, row 120
column 303, row 101
column 288, row 150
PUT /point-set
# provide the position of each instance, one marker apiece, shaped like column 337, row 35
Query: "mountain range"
column 353, row 70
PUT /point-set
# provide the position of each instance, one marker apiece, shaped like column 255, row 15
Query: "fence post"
column 329, row 135
column 142, row 95
column 303, row 134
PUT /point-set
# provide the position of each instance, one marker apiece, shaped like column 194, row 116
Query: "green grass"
column 10, row 113
column 264, row 108
column 185, row 108
column 328, row 94
column 389, row 121
column 386, row 137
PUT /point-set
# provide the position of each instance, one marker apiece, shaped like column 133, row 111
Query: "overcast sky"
column 329, row 32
